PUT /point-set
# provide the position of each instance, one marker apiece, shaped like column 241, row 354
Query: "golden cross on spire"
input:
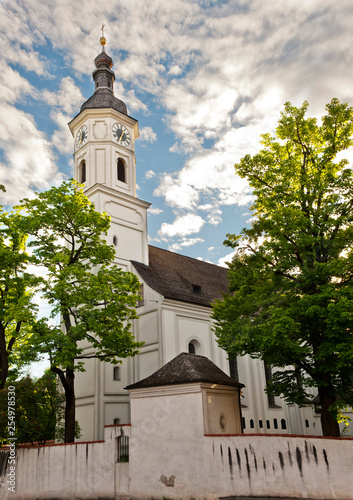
column 103, row 40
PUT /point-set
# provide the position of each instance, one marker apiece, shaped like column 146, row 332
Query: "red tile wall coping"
column 279, row 435
column 29, row 445
column 48, row 445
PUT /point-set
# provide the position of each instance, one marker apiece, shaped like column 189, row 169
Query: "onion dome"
column 104, row 78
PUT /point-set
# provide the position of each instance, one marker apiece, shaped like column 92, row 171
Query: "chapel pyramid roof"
column 186, row 369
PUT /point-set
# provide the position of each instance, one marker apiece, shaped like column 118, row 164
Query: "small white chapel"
column 177, row 291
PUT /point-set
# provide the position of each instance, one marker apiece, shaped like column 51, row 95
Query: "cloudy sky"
column 204, row 78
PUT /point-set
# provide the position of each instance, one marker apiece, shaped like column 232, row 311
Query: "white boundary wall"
column 169, row 464
column 171, row 457
column 71, row 471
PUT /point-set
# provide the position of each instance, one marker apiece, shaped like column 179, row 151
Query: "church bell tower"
column 104, row 162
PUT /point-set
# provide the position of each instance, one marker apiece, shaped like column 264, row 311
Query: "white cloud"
column 133, row 103
column 214, row 219
column 147, row 135
column 219, row 73
column 227, row 258
column 175, row 70
column 176, row 193
column 65, row 103
column 182, row 226
column 30, row 162
column 207, row 207
column 149, row 174
column 155, row 211
column 185, row 242
column 68, row 98
column 14, row 87
column 62, row 138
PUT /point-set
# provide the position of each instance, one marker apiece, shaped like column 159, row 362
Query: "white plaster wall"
column 72, row 471
column 165, row 428
column 267, row 466
column 182, row 323
column 172, row 458
column 225, row 402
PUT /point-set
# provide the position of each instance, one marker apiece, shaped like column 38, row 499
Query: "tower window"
column 121, row 170
column 116, row 372
column 82, row 172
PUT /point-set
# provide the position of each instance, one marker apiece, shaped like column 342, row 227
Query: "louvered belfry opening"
column 121, row 170
column 82, row 172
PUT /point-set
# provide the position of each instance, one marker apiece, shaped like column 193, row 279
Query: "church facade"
column 177, row 291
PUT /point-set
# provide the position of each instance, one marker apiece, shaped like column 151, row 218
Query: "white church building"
column 177, row 291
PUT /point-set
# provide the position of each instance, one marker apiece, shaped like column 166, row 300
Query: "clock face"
column 82, row 136
column 121, row 134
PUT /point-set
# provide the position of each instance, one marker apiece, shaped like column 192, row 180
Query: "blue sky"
column 204, row 78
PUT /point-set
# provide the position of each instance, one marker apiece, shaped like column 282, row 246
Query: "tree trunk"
column 67, row 379
column 329, row 424
column 4, row 361
column 70, row 407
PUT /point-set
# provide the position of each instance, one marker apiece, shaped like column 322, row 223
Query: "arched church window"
column 121, row 170
column 82, row 172
column 194, row 347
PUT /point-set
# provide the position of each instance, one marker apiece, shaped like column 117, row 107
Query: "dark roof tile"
column 182, row 278
column 186, row 369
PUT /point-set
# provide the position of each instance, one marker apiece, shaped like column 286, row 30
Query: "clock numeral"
column 82, row 136
column 121, row 134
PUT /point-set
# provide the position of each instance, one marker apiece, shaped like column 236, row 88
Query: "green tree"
column 290, row 282
column 39, row 409
column 95, row 299
column 17, row 286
